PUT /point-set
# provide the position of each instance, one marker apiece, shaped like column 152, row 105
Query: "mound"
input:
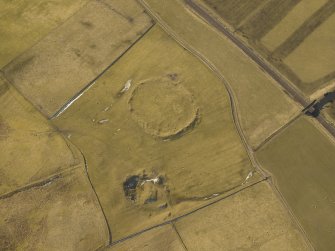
column 163, row 109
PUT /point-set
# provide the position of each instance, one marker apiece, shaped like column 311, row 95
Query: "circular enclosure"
column 163, row 109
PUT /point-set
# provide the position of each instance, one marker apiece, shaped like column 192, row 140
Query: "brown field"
column 73, row 55
column 302, row 158
column 294, row 36
column 148, row 169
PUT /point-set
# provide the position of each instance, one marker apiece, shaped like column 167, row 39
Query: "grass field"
column 61, row 215
column 26, row 138
column 255, row 92
column 252, row 219
column 302, row 159
column 23, row 23
column 295, row 36
column 68, row 59
column 146, row 169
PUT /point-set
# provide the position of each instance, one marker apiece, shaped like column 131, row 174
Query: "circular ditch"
column 163, row 109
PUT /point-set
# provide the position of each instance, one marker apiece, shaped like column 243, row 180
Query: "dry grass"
column 31, row 149
column 142, row 180
column 252, row 219
column 23, row 23
column 69, row 58
column 162, row 238
column 255, row 92
column 61, row 215
column 302, row 159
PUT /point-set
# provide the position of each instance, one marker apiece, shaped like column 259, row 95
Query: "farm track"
column 267, row 177
column 212, row 67
column 293, row 93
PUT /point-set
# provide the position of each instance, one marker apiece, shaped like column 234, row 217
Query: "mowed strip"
column 290, row 35
column 23, row 23
column 63, row 214
column 302, row 159
column 68, row 59
column 255, row 92
column 291, row 22
column 313, row 60
column 31, row 149
column 234, row 11
column 158, row 136
column 267, row 18
column 253, row 219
